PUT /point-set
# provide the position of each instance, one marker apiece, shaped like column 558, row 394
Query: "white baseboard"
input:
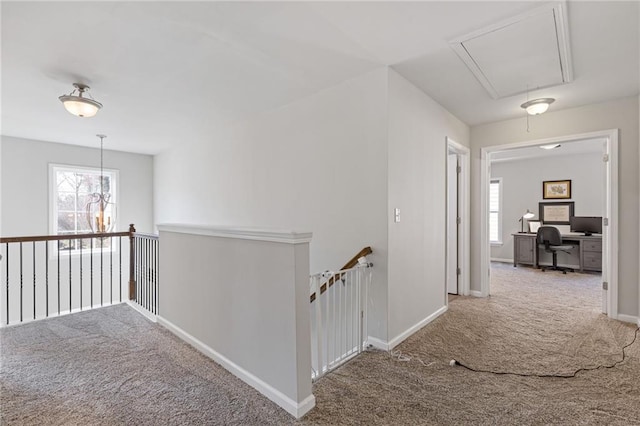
column 501, row 260
column 296, row 409
column 148, row 315
column 377, row 343
column 476, row 293
column 62, row 314
column 629, row 318
column 408, row 332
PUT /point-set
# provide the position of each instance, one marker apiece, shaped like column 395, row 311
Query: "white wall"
column 617, row 114
column 418, row 127
column 242, row 297
column 522, row 189
column 318, row 164
column 335, row 163
column 25, row 184
column 24, row 207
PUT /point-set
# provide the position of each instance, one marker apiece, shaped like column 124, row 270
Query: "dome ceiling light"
column 537, row 106
column 79, row 105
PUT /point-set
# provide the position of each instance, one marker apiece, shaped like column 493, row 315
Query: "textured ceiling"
column 173, row 71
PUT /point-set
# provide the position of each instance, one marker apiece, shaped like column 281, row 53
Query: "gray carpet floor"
column 111, row 366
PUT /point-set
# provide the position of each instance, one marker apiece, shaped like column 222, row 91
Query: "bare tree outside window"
column 74, row 189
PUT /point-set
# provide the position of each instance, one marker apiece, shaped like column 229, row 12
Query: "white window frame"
column 53, row 205
column 497, row 242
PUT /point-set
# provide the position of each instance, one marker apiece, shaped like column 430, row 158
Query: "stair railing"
column 46, row 275
column 49, row 275
column 339, row 314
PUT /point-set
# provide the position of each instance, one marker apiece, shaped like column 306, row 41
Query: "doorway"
column 458, row 218
column 609, row 211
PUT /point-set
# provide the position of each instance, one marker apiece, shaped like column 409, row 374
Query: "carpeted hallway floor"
column 111, row 366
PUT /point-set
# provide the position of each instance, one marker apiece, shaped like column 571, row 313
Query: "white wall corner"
column 411, row 330
column 296, row 409
column 148, row 315
column 378, row 343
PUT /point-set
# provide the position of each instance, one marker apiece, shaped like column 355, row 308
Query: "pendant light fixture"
column 96, row 210
column 79, row 105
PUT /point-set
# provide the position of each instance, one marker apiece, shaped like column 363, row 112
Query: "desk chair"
column 549, row 238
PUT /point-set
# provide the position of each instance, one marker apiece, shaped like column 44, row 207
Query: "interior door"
column 605, row 231
column 452, row 224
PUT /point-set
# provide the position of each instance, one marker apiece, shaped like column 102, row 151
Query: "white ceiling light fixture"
column 78, row 105
column 552, row 146
column 537, row 106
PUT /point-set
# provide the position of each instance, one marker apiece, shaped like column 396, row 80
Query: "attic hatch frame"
column 559, row 11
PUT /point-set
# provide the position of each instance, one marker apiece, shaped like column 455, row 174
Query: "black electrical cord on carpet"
column 454, row 362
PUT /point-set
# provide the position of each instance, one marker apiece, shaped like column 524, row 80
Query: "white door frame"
column 609, row 233
column 464, row 210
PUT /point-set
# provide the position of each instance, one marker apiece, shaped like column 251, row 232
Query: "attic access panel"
column 527, row 52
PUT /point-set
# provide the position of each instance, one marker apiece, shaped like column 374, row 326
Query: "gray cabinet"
column 591, row 253
column 524, row 249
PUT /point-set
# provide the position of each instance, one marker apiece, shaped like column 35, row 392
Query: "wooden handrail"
column 62, row 237
column 350, row 264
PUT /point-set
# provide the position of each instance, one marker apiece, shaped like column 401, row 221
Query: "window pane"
column 83, row 223
column 66, row 181
column 66, row 222
column 66, row 201
column 89, row 182
column 493, row 226
column 83, row 200
column 494, row 196
column 106, row 184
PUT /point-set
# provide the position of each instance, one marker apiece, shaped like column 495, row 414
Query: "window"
column 73, row 189
column 495, row 211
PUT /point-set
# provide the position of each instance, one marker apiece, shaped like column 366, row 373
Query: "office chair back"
column 549, row 236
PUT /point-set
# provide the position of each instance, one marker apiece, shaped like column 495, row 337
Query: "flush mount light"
column 537, row 106
column 552, row 146
column 79, row 105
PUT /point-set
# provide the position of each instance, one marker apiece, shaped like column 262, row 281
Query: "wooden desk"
column 525, row 250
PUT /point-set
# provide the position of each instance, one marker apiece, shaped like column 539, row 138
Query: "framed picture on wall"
column 556, row 189
column 556, row 213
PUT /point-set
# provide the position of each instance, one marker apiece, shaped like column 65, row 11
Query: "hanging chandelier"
column 80, row 105
column 99, row 203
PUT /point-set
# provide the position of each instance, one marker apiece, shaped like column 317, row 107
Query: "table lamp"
column 526, row 215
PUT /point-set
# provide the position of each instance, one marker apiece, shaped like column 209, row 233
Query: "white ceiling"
column 167, row 72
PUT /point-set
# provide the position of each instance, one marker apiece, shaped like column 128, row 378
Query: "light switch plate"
column 396, row 215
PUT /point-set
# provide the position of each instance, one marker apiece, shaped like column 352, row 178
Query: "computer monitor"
column 586, row 224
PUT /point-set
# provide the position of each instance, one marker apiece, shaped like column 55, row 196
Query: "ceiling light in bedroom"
column 552, row 146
